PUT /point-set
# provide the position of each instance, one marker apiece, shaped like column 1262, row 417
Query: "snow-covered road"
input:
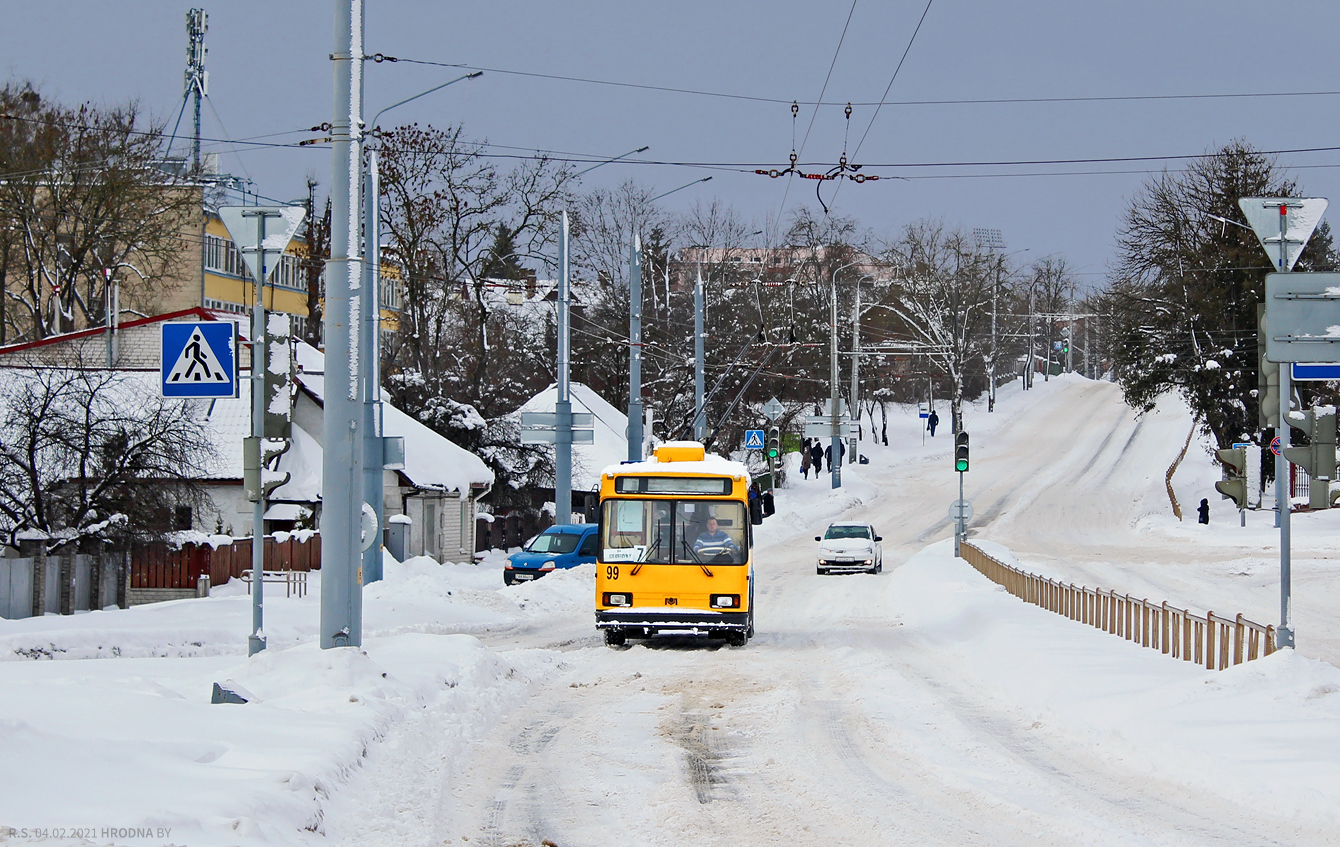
column 919, row 706
column 854, row 717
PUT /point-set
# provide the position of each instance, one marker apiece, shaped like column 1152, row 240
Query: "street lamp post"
column 376, row 117
column 635, row 333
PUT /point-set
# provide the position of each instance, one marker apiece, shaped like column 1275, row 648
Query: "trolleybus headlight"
column 725, row 601
column 617, row 599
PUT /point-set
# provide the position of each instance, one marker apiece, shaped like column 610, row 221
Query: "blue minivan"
column 561, row 546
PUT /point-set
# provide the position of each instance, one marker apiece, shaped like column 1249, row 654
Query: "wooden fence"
column 158, row 566
column 1210, row 640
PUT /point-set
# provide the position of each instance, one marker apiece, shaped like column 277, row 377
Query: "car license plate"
column 525, row 576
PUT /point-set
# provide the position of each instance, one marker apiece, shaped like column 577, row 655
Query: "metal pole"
column 374, row 458
column 699, row 362
column 563, row 407
column 958, row 530
column 995, row 351
column 341, row 577
column 856, row 364
column 635, row 350
column 256, row 641
column 1284, row 635
column 834, row 443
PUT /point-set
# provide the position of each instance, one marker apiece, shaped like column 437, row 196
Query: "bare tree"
column 944, row 300
column 86, row 205
column 444, row 204
column 87, row 453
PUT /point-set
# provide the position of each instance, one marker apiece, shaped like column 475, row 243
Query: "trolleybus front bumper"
column 687, row 620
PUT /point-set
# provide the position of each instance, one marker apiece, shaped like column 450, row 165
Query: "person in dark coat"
column 806, row 461
column 932, row 422
column 842, row 453
column 817, row 457
column 1204, row 511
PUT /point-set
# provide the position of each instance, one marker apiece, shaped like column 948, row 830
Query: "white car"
column 848, row 547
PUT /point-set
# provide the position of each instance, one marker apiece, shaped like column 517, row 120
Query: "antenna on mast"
column 197, row 78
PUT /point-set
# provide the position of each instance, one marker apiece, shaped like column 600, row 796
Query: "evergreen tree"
column 1184, row 292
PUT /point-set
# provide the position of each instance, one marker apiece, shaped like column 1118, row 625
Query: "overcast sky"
column 270, row 78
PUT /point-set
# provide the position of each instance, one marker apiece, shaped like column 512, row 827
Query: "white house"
column 610, row 445
column 437, row 490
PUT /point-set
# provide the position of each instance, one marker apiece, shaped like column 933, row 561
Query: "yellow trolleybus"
column 675, row 551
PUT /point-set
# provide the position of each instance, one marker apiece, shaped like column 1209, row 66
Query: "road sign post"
column 254, row 255
column 1293, row 302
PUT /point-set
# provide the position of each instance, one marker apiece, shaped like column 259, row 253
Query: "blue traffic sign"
column 753, row 439
column 199, row 359
column 1313, row 370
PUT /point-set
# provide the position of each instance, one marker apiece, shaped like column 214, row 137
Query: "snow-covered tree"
column 86, row 453
column 1184, row 291
column 943, row 299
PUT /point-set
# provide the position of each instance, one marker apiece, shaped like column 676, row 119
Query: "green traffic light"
column 772, row 452
column 961, row 465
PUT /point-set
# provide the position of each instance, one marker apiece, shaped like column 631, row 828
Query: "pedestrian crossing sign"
column 753, row 439
column 199, row 359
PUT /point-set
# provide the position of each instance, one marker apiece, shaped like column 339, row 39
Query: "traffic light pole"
column 958, row 532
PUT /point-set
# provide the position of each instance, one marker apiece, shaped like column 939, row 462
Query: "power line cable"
column 790, row 178
column 973, row 101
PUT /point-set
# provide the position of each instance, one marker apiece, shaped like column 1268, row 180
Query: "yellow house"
column 226, row 285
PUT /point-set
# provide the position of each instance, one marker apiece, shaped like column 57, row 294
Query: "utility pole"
column 699, row 352
column 374, row 449
column 635, row 349
column 992, row 240
column 834, row 442
column 856, row 363
column 197, row 78
column 563, row 407
column 341, row 577
column 835, row 420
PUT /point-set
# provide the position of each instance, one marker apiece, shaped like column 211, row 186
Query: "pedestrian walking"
column 932, row 422
column 1204, row 511
column 842, row 453
column 817, row 457
column 806, row 461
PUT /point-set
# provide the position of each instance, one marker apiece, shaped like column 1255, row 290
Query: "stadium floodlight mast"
column 635, row 331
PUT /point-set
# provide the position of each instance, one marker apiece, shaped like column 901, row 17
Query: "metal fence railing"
column 1210, row 640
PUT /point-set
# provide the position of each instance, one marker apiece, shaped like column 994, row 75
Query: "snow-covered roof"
column 610, row 432
column 710, row 464
column 431, row 460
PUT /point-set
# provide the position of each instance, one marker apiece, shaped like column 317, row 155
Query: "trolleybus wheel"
column 615, row 637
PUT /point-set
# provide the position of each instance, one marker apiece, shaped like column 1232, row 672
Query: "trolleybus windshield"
column 675, row 532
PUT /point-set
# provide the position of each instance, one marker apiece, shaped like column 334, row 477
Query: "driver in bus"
column 715, row 537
